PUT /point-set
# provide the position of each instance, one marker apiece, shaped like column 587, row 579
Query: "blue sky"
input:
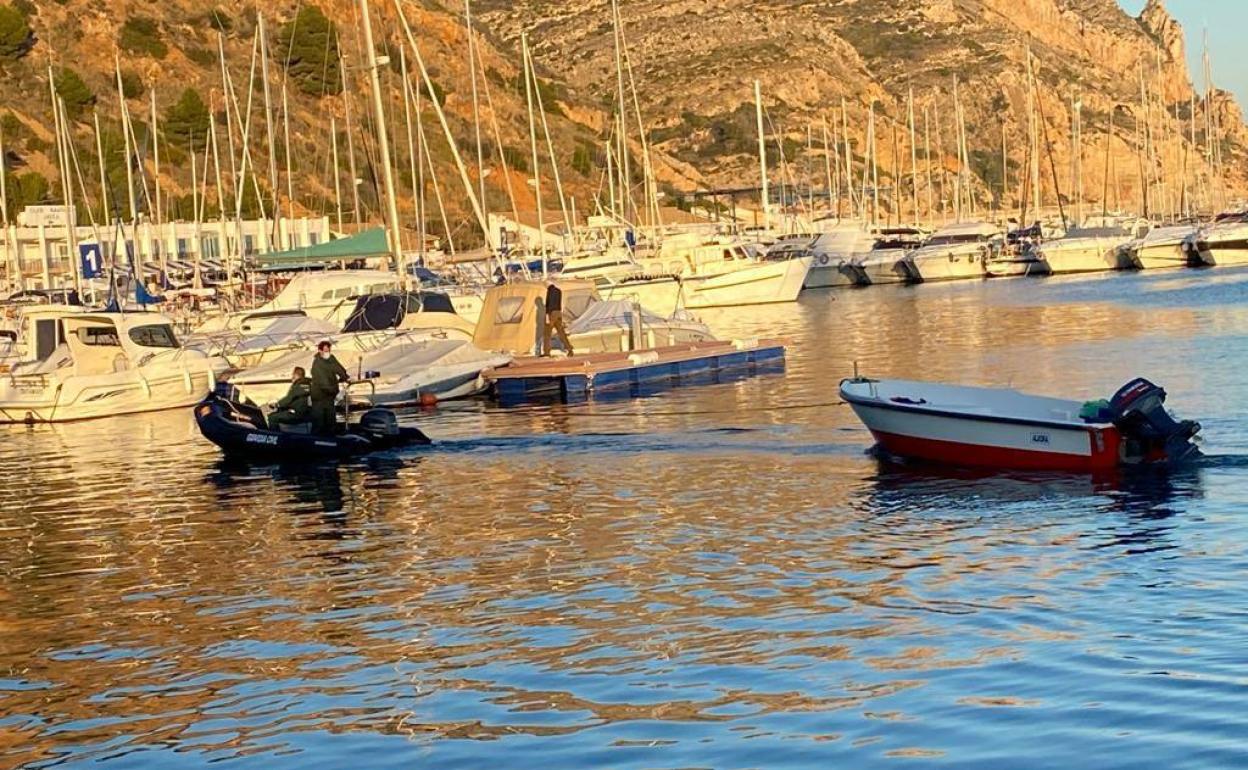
column 1227, row 21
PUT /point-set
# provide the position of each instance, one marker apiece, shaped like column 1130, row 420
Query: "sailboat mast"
column 764, row 192
column 383, row 145
column 353, row 182
column 537, row 172
column 268, row 128
column 333, row 143
column 473, row 55
column 125, row 133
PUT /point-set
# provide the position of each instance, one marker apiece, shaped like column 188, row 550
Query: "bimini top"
column 511, row 315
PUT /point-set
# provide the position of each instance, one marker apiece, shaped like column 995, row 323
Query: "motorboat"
column 697, row 271
column 397, row 369
column 887, row 261
column 266, row 335
column 1222, row 243
column 326, row 295
column 835, row 254
column 513, row 319
column 88, row 365
column 1101, row 244
column 1008, row 430
column 1162, row 247
column 242, row 432
column 958, row 251
column 1014, row 262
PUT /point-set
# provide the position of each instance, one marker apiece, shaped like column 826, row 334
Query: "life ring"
column 823, row 259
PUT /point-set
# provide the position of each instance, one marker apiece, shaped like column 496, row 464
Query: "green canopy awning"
column 367, row 243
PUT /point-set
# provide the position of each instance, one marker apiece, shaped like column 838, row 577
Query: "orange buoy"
column 428, row 399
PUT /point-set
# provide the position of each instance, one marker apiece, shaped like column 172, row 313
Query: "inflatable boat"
column 242, row 432
column 1008, row 430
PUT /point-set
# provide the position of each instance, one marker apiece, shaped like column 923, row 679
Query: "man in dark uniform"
column 554, row 319
column 295, row 406
column 326, row 374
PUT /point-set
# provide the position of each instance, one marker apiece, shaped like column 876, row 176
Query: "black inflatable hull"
column 233, row 428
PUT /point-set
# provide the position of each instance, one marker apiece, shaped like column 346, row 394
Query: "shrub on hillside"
column 140, row 35
column 187, row 118
column 132, row 86
column 307, row 46
column 16, row 36
column 73, row 91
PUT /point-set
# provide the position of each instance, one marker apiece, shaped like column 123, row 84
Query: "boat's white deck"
column 970, row 401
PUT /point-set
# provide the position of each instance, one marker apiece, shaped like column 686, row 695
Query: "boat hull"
column 967, row 442
column 97, row 397
column 1094, row 258
column 949, row 266
column 1161, row 257
column 1217, row 254
column 831, row 276
column 759, row 284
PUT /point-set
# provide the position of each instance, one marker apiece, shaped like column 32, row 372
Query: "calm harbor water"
column 715, row 576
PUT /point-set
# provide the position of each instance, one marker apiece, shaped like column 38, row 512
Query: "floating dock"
column 577, row 378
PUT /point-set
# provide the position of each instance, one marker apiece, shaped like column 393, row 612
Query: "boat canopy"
column 367, row 243
column 387, row 311
column 511, row 317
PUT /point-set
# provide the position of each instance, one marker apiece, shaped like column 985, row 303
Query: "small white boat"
column 889, row 256
column 1005, row 429
column 1100, row 245
column 1224, row 243
column 90, row 365
column 835, row 255
column 1161, row 248
column 957, row 252
column 327, row 295
column 696, row 271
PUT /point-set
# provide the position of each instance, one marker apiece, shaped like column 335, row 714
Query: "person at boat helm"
column 296, row 405
column 326, row 374
column 554, row 319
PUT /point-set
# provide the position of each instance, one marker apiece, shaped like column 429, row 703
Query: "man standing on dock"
column 326, row 374
column 554, row 319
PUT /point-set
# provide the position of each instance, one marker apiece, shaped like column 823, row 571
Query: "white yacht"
column 1100, row 244
column 886, row 262
column 958, row 251
column 835, row 253
column 699, row 271
column 376, row 316
column 1223, row 243
column 88, row 365
column 327, row 295
column 1162, row 247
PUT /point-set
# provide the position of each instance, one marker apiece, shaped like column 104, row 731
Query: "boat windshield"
column 154, row 336
column 954, row 238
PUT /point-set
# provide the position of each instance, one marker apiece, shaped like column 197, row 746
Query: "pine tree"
column 308, row 47
column 75, row 93
column 16, row 37
column 187, row 118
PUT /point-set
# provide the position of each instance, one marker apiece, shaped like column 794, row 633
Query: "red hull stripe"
column 978, row 456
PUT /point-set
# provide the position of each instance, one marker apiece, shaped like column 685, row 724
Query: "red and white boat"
column 1008, row 430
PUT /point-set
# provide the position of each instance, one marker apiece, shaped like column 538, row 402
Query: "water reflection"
column 702, row 577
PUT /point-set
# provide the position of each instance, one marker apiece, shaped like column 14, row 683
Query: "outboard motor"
column 1148, row 431
column 380, row 423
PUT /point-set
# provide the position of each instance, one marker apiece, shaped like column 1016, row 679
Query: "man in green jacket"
column 295, row 406
column 326, row 374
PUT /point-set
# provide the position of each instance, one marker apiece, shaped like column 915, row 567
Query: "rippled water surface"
column 715, row 576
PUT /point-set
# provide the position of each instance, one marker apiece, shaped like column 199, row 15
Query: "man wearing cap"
column 326, row 374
